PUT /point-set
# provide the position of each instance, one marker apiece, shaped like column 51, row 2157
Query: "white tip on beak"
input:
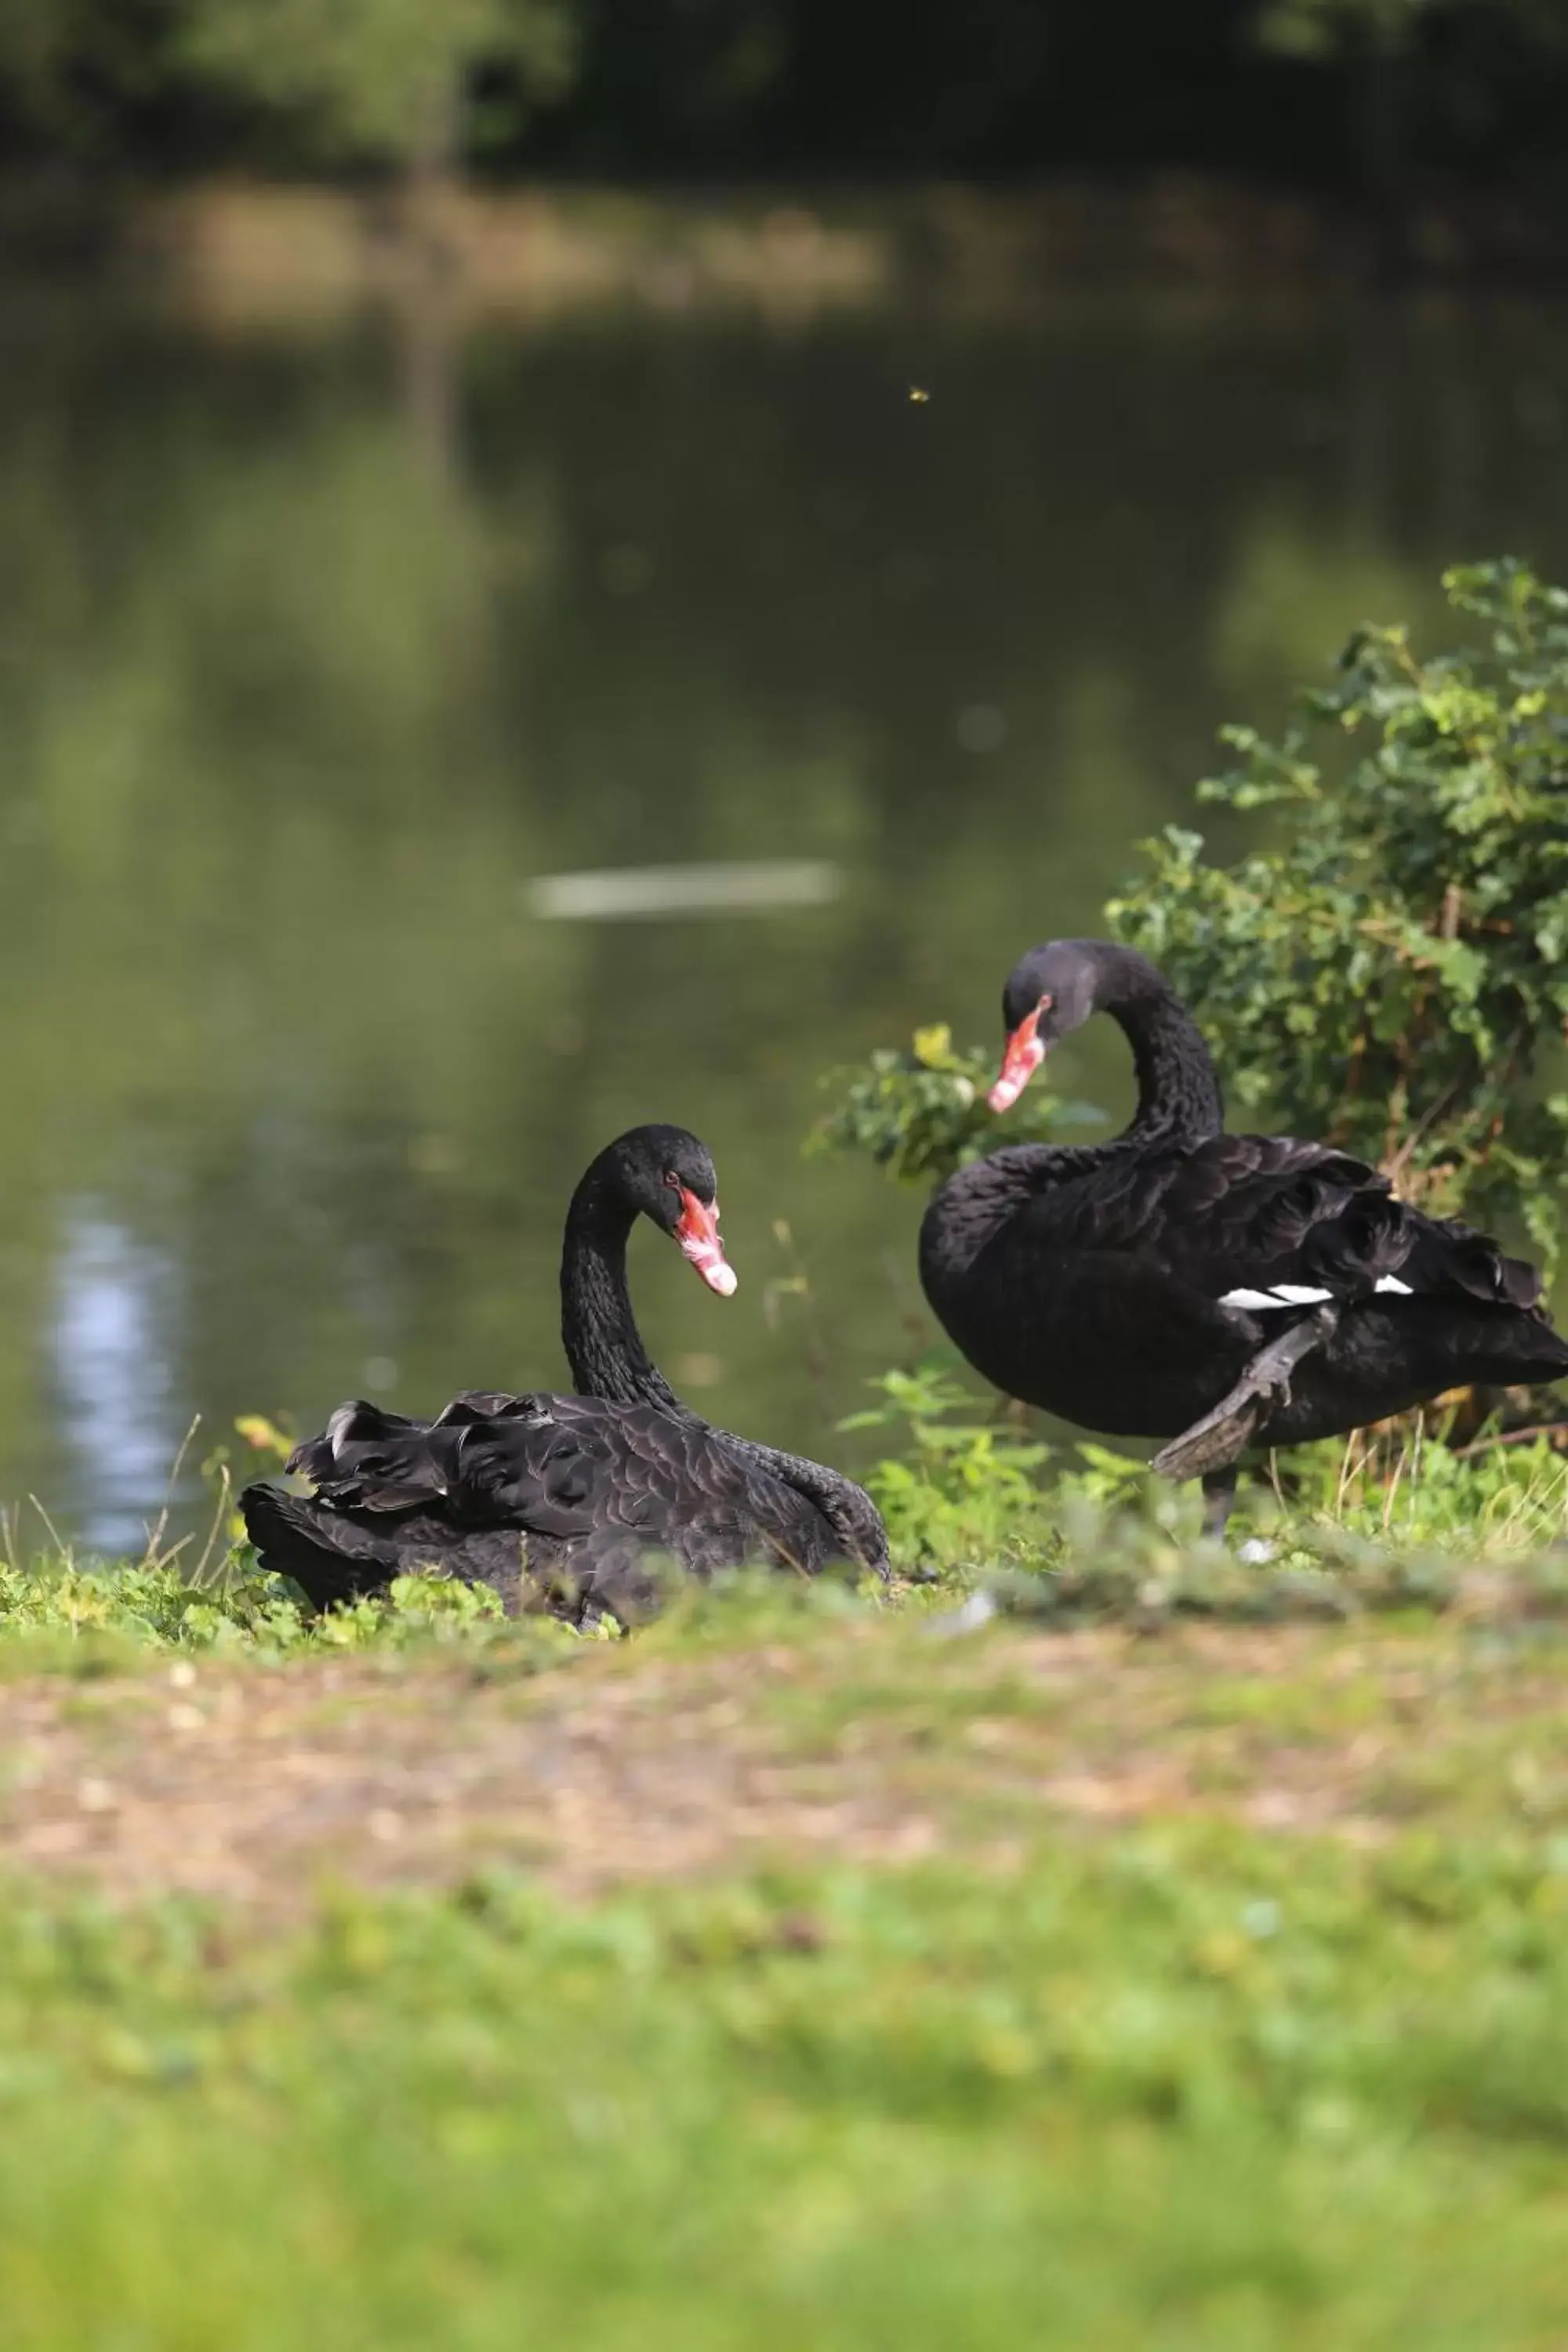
column 697, row 1238
column 1023, row 1058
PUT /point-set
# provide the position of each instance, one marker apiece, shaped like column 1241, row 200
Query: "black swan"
column 560, row 1500
column 1218, row 1290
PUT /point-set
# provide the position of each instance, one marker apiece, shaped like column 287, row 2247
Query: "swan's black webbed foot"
column 1213, row 1442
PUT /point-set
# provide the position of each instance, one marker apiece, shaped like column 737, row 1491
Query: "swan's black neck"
column 598, row 1328
column 1179, row 1099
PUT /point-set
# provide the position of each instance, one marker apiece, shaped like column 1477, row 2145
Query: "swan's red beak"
column 698, row 1236
column 1022, row 1057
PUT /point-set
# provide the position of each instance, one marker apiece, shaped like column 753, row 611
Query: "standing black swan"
column 1213, row 1289
column 562, row 1499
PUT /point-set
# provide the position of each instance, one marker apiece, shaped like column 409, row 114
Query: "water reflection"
column 113, row 1375
column 311, row 673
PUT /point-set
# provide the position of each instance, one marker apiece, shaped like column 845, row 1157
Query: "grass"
column 1174, row 1951
column 1192, row 2089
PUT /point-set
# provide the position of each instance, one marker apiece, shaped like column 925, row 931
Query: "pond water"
column 321, row 650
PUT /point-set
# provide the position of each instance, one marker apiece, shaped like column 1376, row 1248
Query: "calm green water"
column 316, row 651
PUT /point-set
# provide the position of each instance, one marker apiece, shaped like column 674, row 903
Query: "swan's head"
column 1050, row 991
column 668, row 1176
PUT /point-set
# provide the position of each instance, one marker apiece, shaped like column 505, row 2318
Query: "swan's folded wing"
column 666, row 1479
column 1450, row 1255
column 575, row 1466
column 1262, row 1211
column 372, row 1460
column 587, row 1479
column 1320, row 1221
column 1267, row 1221
column 470, row 1405
column 369, row 1459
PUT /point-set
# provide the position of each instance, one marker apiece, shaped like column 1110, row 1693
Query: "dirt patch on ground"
column 262, row 1784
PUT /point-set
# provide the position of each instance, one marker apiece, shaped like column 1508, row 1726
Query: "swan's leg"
column 1219, row 1495
column 1213, row 1442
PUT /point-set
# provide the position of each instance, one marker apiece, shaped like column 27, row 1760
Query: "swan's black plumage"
column 1127, row 1287
column 566, row 1502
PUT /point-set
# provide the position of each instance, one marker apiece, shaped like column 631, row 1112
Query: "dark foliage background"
column 1371, row 96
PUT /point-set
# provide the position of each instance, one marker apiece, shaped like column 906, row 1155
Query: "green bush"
column 923, row 1113
column 957, row 1490
column 1388, row 972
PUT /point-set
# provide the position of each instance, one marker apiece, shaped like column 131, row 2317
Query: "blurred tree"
column 1316, row 29
column 74, row 73
column 1302, row 90
column 386, row 82
column 1379, row 46
column 1388, row 972
column 667, row 78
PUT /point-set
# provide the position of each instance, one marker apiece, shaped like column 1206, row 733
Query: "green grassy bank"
column 1180, row 1956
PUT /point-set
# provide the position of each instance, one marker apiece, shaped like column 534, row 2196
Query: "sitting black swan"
column 1215, row 1289
column 560, row 1500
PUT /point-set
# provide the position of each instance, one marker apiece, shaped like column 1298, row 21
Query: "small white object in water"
column 633, row 893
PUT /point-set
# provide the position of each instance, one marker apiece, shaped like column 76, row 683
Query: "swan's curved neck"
column 1179, row 1099
column 599, row 1327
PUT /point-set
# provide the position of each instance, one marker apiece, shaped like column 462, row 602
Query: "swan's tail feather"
column 1448, row 1256
column 332, row 1559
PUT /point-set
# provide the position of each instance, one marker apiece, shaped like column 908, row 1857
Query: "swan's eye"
column 1045, row 1004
